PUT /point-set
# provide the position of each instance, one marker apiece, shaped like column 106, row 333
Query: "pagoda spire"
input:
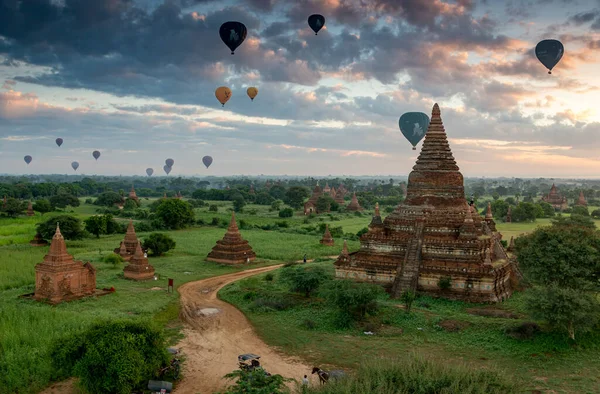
column 488, row 213
column 233, row 227
column 468, row 230
column 58, row 249
column 377, row 209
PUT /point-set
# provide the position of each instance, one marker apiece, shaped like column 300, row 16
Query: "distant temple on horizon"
column 554, row 198
column 434, row 242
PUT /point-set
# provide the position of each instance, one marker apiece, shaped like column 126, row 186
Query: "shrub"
column 175, row 214
column 111, row 357
column 70, row 227
column 270, row 304
column 89, row 200
column 352, row 300
column 213, row 208
column 304, row 279
column 309, row 324
column 113, row 259
column 215, row 221
column 286, row 213
column 445, row 283
column 255, row 381
column 42, row 206
column 362, row 231
column 269, row 277
column 282, row 224
column 525, row 330
column 159, row 244
column 130, row 205
column 389, row 209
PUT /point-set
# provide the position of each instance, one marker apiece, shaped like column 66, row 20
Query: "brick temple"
column 311, row 205
column 139, row 268
column 232, row 249
column 30, row 211
column 60, row 278
column 133, row 196
column 581, row 200
column 555, row 199
column 38, row 240
column 433, row 234
column 354, row 205
column 327, row 238
column 127, row 248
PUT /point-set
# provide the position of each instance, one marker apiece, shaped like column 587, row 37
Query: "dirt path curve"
column 213, row 340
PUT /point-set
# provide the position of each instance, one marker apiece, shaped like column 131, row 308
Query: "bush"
column 64, row 199
column 130, row 205
column 445, row 283
column 309, row 324
column 112, row 357
column 89, row 200
column 113, row 259
column 269, row 277
column 525, row 330
column 158, row 244
column 213, row 208
column 352, row 300
column 175, row 214
column 42, row 206
column 270, row 304
column 286, row 213
column 215, row 221
column 70, row 227
column 304, row 279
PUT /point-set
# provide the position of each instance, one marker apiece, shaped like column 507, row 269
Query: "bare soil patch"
column 453, row 325
column 493, row 312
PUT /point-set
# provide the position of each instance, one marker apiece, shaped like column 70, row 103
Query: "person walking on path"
column 304, row 384
column 304, row 258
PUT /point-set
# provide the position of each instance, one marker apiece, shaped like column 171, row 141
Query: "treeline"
column 525, row 211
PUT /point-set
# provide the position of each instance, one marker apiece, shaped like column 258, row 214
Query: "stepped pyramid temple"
column 433, row 234
column 30, row 209
column 581, row 200
column 60, row 278
column 232, row 249
column 327, row 238
column 327, row 189
column 555, row 199
column 311, row 205
column 340, row 194
column 139, row 268
column 129, row 244
column 354, row 205
column 332, row 192
column 38, row 240
column 133, row 196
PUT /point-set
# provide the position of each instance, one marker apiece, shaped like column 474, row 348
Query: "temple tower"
column 554, row 198
column 232, row 249
column 138, row 267
column 127, row 247
column 133, row 196
column 354, row 205
column 327, row 238
column 30, row 209
column 581, row 200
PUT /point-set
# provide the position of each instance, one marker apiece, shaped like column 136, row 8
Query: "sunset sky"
column 135, row 79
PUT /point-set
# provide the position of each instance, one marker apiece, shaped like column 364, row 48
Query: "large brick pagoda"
column 232, row 249
column 138, row 267
column 555, row 199
column 354, row 205
column 433, row 234
column 60, row 278
column 581, row 200
column 311, row 205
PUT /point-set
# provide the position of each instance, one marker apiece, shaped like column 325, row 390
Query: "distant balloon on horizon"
column 223, row 94
column 169, row 162
column 96, row 154
column 252, row 92
column 207, row 160
column 167, row 169
column 28, row 159
column 59, row 142
column 75, row 165
column 149, row 171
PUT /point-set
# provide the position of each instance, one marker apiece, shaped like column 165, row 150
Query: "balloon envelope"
column 549, row 53
column 96, row 154
column 207, row 160
column 169, row 162
column 149, row 171
column 167, row 169
column 223, row 94
column 59, row 142
column 27, row 159
column 316, row 22
column 414, row 126
column 75, row 165
column 252, row 92
column 233, row 34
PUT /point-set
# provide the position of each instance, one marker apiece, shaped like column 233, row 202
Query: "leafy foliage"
column 304, row 279
column 295, row 196
column 352, row 300
column 579, row 210
column 108, row 199
column 130, row 204
column 64, row 199
column 70, row 227
column 13, row 207
column 175, row 214
column 256, row 382
column 42, row 206
column 159, row 244
column 96, row 225
column 286, row 213
column 238, row 203
column 113, row 259
column 324, row 204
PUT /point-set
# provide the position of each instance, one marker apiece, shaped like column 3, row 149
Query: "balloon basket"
column 232, row 53
column 549, row 72
column 414, row 148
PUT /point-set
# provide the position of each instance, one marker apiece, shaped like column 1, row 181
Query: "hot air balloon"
column 233, row 34
column 252, row 92
column 414, row 126
column 169, row 162
column 207, row 160
column 27, row 159
column 316, row 22
column 75, row 165
column 223, row 94
column 59, row 142
column 167, row 169
column 96, row 154
column 149, row 171
column 549, row 53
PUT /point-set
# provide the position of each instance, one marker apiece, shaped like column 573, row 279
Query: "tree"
column 175, row 214
column 499, row 209
column 573, row 220
column 108, row 199
column 277, row 192
column 263, row 198
column 596, row 214
column 159, row 244
column 524, row 212
column 324, row 203
column 353, row 300
column 70, row 227
column 286, row 213
column 96, row 225
column 14, row 207
column 255, row 381
column 579, row 210
column 495, row 196
column 562, row 262
column 62, row 200
column 304, row 279
column 408, row 297
column 42, row 206
column 130, row 204
column 238, row 203
column 276, row 205
column 547, row 208
column 295, row 196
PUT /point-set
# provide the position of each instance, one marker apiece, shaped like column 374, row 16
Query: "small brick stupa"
column 133, row 196
column 252, row 191
column 127, row 248
column 332, row 192
column 311, row 205
column 432, row 235
column 354, row 205
column 327, row 189
column 139, row 268
column 489, row 218
column 327, row 238
column 340, row 194
column 232, row 249
column 555, row 199
column 38, row 240
column 508, row 215
column 581, row 200
column 30, row 209
column 511, row 245
column 60, row 278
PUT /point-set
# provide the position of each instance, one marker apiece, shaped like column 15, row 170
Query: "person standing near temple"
column 304, row 258
column 304, row 383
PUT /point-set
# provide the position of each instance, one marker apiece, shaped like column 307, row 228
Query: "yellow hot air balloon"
column 252, row 92
column 223, row 94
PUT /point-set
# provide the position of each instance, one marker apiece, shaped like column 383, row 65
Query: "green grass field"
column 27, row 328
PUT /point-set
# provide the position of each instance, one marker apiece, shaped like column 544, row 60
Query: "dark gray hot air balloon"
column 96, row 154
column 167, row 169
column 233, row 34
column 149, row 171
column 414, row 126
column 207, row 160
column 27, row 159
column 316, row 22
column 75, row 165
column 170, row 162
column 59, row 142
column 549, row 53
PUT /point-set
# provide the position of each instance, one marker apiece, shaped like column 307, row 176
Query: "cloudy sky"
column 135, row 79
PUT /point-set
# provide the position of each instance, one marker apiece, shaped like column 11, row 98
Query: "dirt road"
column 216, row 333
